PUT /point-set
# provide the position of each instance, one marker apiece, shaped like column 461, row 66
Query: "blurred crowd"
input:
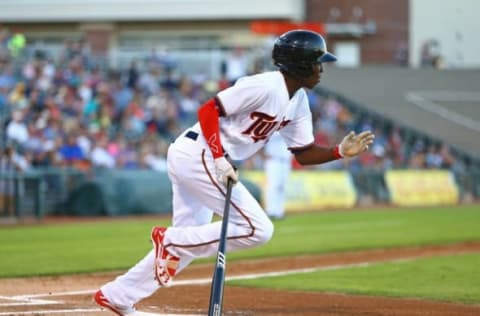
column 68, row 110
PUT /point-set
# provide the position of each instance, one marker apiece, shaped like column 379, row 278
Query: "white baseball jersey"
column 255, row 107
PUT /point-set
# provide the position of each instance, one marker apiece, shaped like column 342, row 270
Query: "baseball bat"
column 218, row 280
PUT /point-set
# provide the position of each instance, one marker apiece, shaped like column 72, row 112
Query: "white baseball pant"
column 197, row 194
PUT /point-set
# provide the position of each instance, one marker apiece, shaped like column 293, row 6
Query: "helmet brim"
column 327, row 58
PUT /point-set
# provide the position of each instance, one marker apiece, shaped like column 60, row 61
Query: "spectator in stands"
column 149, row 81
column 4, row 37
column 236, row 65
column 417, row 158
column 154, row 155
column 128, row 156
column 133, row 120
column 16, row 44
column 7, row 76
column 34, row 143
column 17, row 97
column 382, row 160
column 187, row 99
column 70, row 151
column 84, row 140
column 133, row 75
column 448, row 159
column 122, row 96
column 17, row 130
column 3, row 97
column 14, row 160
column 99, row 156
column 430, row 55
column 395, row 148
column 48, row 156
column 369, row 160
column 433, row 159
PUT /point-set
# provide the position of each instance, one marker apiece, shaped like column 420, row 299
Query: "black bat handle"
column 218, row 280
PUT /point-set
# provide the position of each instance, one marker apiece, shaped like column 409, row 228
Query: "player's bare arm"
column 351, row 146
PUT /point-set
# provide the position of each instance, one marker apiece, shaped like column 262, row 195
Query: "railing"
column 469, row 184
column 38, row 192
column 46, row 191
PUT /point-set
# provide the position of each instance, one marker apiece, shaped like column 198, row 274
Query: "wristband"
column 336, row 152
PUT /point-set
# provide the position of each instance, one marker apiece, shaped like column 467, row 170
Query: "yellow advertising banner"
column 313, row 190
column 421, row 187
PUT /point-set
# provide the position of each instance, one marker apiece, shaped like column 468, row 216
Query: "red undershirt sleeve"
column 208, row 115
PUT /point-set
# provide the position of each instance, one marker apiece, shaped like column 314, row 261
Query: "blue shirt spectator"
column 71, row 151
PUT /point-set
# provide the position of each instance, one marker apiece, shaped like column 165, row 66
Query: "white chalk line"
column 54, row 311
column 83, row 310
column 69, row 293
column 27, row 299
column 425, row 101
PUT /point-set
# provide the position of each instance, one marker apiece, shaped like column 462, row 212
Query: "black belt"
column 192, row 135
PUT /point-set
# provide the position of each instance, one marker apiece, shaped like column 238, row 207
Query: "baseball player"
column 234, row 125
column 277, row 165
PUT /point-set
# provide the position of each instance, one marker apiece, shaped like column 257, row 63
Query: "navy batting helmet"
column 295, row 52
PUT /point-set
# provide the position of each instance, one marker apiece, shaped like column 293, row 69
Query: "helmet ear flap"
column 306, row 69
column 300, row 69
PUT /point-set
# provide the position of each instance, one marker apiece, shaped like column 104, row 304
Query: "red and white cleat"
column 165, row 263
column 101, row 300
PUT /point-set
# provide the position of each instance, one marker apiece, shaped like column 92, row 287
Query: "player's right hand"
column 224, row 170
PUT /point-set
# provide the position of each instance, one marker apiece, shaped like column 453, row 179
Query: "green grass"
column 452, row 278
column 110, row 245
column 72, row 248
column 382, row 228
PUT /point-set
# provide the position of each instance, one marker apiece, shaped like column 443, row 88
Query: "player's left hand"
column 353, row 144
column 225, row 170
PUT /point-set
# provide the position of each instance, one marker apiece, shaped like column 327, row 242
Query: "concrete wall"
column 454, row 24
column 389, row 17
column 141, row 10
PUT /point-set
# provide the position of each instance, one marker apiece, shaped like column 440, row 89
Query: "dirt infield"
column 71, row 294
